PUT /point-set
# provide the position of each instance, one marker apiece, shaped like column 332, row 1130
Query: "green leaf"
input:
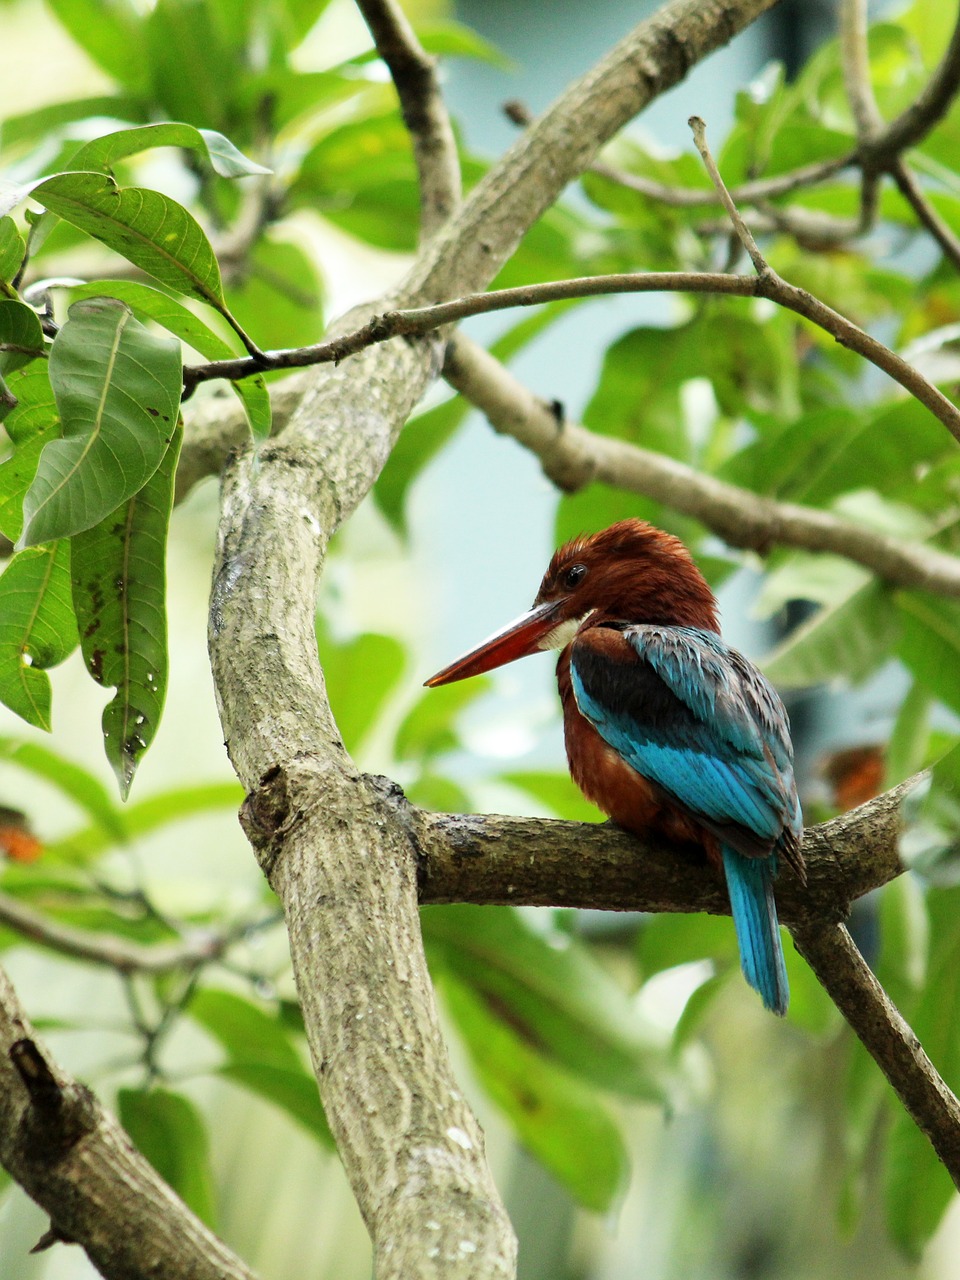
column 911, row 732
column 117, row 387
column 428, row 729
column 180, row 320
column 930, row 643
column 293, row 1091
column 20, row 326
column 848, row 640
column 280, row 297
column 360, row 675
column 196, row 58
column 158, row 811
column 225, row 159
column 12, row 248
column 31, row 425
column 75, row 782
column 555, row 997
column 147, row 228
column 169, row 1130
column 110, row 31
column 556, row 1117
column 556, row 791
column 119, row 589
column 37, row 628
column 42, row 122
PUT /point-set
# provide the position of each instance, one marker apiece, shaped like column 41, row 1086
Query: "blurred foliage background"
column 643, row 1114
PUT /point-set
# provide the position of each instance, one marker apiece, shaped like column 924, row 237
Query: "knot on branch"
column 58, row 1115
column 267, row 815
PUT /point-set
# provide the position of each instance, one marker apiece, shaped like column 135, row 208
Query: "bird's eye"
column 575, row 574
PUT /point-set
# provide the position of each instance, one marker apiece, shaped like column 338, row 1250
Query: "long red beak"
column 516, row 640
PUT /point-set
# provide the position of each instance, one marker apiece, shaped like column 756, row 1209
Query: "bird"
column 668, row 729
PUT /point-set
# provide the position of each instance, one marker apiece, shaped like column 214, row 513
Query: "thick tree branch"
column 343, row 869
column 80, row 1167
column 573, row 457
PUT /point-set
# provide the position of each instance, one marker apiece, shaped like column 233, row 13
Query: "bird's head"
column 631, row 572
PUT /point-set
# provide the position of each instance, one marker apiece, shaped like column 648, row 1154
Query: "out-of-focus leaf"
column 804, row 575
column 111, row 32
column 72, row 779
column 917, row 1186
column 20, row 327
column 668, row 940
column 911, row 732
column 454, row 40
column 557, row 792
column 169, row 1130
column 441, row 795
column 12, row 248
column 195, row 58
column 930, row 642
column 149, row 229
column 847, row 640
column 224, row 158
column 553, row 995
column 117, row 387
column 428, row 729
column 280, row 298
column 557, row 1118
column 180, row 320
column 360, row 675
column 293, row 1091
column 37, row 628
column 42, row 122
column 119, row 593
column 152, row 814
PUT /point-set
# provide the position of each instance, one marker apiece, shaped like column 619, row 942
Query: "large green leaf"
column 169, row 1130
column 117, row 387
column 930, row 643
column 149, row 229
column 37, row 628
column 119, row 589
column 556, row 998
column 111, row 32
column 556, row 1116
column 846, row 640
column 180, row 320
column 19, row 327
column 225, row 159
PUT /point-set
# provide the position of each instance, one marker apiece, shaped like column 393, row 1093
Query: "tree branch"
column 343, row 869
column 573, row 457
column 77, row 1163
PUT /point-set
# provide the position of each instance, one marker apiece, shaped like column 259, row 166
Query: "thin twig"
column 418, row 321
column 914, row 194
column 573, row 457
column 744, row 234
column 855, row 60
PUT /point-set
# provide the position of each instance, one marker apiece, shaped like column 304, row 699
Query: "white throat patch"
column 561, row 635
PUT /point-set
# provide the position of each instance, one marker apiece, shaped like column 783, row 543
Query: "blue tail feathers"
column 750, row 885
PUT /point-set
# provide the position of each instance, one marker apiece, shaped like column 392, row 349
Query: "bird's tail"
column 750, row 885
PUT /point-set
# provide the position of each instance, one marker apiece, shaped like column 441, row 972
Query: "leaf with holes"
column 117, row 387
column 31, row 425
column 147, row 228
column 119, row 588
column 37, row 628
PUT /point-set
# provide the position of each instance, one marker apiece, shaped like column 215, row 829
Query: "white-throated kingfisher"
column 668, row 729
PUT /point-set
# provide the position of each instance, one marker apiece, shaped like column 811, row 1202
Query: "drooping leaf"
column 554, row 997
column 225, row 159
column 19, row 327
column 37, row 628
column 117, row 387
column 557, row 1118
column 147, row 228
column 180, row 320
column 168, row 1129
column 119, row 588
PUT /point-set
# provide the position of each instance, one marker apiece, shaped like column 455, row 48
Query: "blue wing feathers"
column 693, row 716
column 750, row 885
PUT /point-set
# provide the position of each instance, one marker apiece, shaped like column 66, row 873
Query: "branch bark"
column 344, row 871
column 78, row 1164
